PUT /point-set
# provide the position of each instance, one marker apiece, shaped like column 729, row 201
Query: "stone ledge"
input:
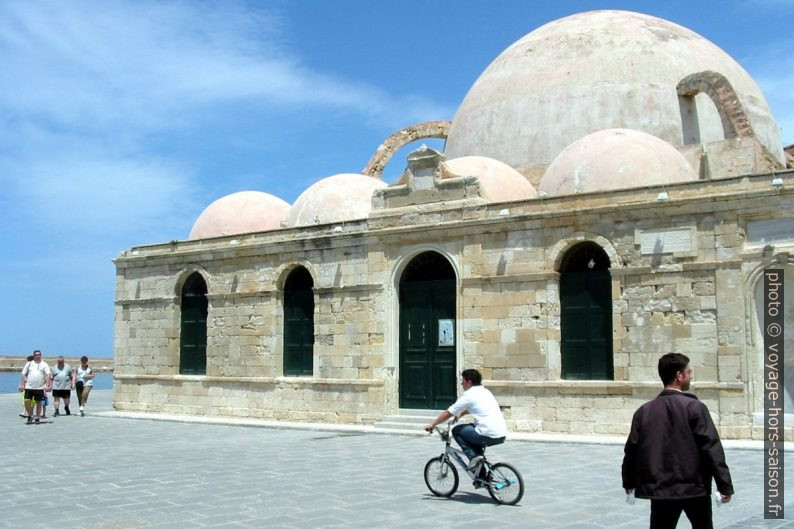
column 605, row 387
column 296, row 381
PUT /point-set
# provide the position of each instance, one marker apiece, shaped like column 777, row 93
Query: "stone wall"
column 687, row 293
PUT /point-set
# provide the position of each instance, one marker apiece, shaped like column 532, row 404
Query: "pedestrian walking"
column 673, row 451
column 36, row 380
column 84, row 383
column 63, row 379
column 24, row 413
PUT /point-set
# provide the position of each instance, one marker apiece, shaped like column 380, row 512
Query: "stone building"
column 611, row 189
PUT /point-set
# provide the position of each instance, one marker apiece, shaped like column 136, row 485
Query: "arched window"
column 193, row 336
column 586, row 314
column 299, row 323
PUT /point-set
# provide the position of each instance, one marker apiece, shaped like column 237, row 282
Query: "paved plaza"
column 109, row 472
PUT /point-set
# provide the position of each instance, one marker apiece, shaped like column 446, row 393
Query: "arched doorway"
column 586, row 314
column 193, row 328
column 299, row 323
column 427, row 333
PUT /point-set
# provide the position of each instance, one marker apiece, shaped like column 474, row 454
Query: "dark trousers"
column 472, row 443
column 665, row 513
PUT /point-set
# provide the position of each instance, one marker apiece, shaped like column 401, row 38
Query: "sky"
column 120, row 121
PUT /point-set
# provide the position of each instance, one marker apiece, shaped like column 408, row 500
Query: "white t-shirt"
column 81, row 373
column 481, row 404
column 37, row 374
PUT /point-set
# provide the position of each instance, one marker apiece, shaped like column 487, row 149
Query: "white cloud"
column 87, row 89
column 153, row 65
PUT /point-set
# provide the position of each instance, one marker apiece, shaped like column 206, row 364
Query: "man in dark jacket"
column 673, row 452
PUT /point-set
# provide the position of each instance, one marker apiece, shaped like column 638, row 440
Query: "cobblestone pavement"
column 100, row 472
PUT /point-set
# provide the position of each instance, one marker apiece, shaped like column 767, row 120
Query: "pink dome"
column 243, row 212
column 498, row 181
column 615, row 159
column 338, row 198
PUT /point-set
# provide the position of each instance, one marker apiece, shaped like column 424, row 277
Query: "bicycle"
column 503, row 482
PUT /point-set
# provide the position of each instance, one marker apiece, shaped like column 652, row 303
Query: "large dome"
column 346, row 196
column 243, row 212
column 588, row 72
column 615, row 159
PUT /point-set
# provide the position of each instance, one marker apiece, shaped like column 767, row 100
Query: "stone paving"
column 106, row 472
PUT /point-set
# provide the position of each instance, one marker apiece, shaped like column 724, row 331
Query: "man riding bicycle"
column 489, row 426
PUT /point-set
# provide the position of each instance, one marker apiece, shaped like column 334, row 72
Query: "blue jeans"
column 472, row 443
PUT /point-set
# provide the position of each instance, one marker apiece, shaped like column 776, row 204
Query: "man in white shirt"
column 36, row 380
column 489, row 426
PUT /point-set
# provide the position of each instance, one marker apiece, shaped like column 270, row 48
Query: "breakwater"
column 16, row 363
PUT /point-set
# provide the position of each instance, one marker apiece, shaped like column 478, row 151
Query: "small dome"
column 498, row 181
column 615, row 159
column 338, row 198
column 243, row 212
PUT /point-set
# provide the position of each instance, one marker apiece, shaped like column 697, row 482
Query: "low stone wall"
column 352, row 401
column 16, row 363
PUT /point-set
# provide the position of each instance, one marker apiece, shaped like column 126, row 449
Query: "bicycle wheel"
column 506, row 485
column 441, row 477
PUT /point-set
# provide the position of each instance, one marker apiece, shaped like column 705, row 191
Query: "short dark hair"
column 30, row 357
column 36, row 351
column 84, row 358
column 473, row 376
column 670, row 364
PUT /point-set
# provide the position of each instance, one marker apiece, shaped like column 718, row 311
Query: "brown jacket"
column 674, row 450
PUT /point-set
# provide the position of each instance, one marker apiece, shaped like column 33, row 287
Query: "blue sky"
column 122, row 120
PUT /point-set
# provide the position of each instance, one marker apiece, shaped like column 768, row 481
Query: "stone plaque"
column 772, row 231
column 673, row 240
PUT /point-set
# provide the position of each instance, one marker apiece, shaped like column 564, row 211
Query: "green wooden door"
column 586, row 325
column 427, row 365
column 298, row 332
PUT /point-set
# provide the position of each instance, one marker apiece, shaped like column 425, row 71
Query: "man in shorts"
column 36, row 379
column 63, row 378
column 24, row 413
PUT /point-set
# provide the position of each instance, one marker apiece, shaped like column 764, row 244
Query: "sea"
column 9, row 381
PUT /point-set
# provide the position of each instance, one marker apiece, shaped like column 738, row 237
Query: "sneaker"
column 30, row 420
column 23, row 415
column 82, row 413
column 57, row 413
column 67, row 410
column 37, row 420
column 474, row 462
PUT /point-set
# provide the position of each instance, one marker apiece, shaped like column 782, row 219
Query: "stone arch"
column 428, row 331
column 558, row 251
column 397, row 267
column 753, row 365
column 734, row 119
column 186, row 273
column 286, row 270
column 408, row 255
column 428, row 129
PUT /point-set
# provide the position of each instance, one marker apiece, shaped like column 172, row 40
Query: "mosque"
column 611, row 189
